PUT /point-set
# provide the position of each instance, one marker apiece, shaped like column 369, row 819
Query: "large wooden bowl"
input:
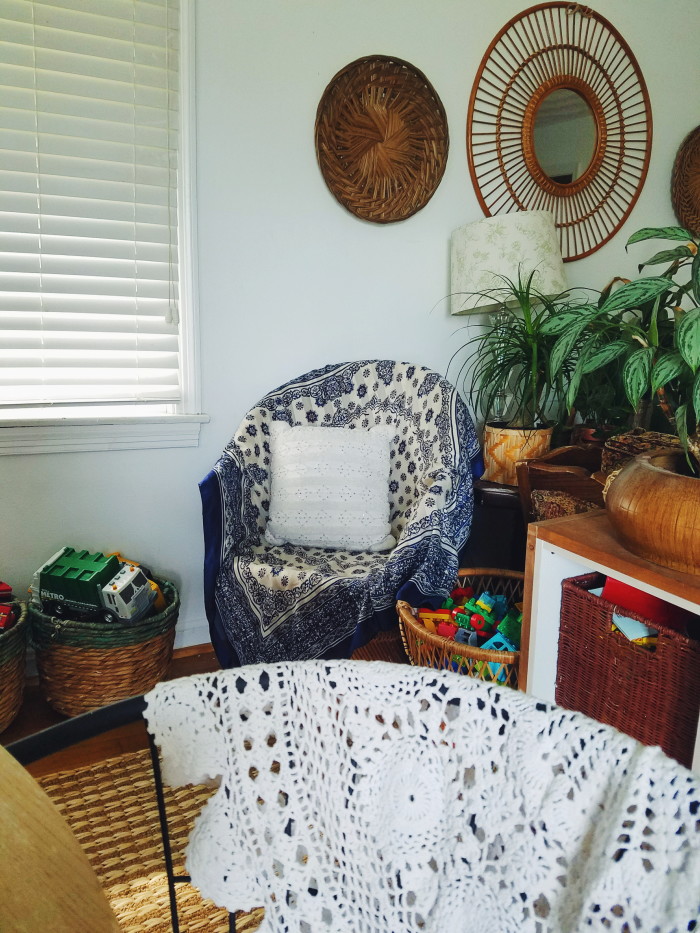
column 656, row 511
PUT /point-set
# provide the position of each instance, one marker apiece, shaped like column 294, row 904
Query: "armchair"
column 267, row 602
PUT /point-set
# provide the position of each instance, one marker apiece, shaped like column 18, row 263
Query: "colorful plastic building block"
column 460, row 594
column 7, row 618
column 511, row 625
column 447, row 629
column 500, row 606
column 498, row 642
column 431, row 617
column 462, row 619
column 486, row 602
column 481, row 623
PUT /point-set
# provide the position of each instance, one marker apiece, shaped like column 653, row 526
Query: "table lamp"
column 507, row 245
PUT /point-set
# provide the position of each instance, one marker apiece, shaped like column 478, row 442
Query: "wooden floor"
column 36, row 714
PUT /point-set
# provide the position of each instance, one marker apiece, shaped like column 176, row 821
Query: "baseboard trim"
column 190, row 650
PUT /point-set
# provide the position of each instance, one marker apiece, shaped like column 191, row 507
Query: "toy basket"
column 651, row 695
column 13, row 655
column 427, row 649
column 84, row 665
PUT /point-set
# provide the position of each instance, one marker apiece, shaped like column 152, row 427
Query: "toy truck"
column 85, row 587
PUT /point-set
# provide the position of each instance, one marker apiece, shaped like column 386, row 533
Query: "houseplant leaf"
column 564, row 346
column 604, row 355
column 668, row 255
column 682, row 425
column 667, row 367
column 636, row 374
column 574, row 386
column 660, row 233
column 561, row 322
column 688, row 338
column 635, row 294
column 695, row 277
column 696, row 395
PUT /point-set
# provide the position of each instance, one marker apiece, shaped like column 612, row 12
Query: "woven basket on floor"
column 84, row 665
column 13, row 653
column 429, row 650
column 651, row 695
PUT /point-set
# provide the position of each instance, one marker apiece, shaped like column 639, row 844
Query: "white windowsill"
column 50, row 435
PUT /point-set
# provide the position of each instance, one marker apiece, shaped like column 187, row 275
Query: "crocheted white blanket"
column 361, row 796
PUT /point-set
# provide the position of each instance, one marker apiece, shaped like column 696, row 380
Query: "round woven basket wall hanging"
column 381, row 138
column 685, row 184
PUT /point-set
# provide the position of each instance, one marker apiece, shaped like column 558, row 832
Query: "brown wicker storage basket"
column 651, row 695
column 429, row 650
column 84, row 665
column 13, row 656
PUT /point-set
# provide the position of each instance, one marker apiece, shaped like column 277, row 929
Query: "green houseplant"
column 651, row 328
column 507, row 372
column 507, row 369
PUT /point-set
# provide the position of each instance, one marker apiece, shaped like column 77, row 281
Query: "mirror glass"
column 564, row 136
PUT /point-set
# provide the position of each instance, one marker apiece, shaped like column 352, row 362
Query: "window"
column 94, row 311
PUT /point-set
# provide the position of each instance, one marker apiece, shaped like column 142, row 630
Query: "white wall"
column 288, row 278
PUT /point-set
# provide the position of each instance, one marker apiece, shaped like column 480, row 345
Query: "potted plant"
column 651, row 326
column 508, row 377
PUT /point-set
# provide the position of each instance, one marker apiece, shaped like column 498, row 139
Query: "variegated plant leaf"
column 688, row 338
column 668, row 255
column 695, row 395
column 604, row 355
column 564, row 346
column 636, row 293
column 660, row 233
column 574, row 385
column 682, row 425
column 695, row 277
column 667, row 367
column 559, row 323
column 636, row 374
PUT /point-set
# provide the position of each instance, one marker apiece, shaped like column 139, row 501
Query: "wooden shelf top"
column 591, row 537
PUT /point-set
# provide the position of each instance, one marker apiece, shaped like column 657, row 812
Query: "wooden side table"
column 566, row 547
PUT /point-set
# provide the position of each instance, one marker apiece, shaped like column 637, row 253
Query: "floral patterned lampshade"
column 505, row 245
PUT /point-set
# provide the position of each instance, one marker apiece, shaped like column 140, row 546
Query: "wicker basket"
column 685, row 189
column 429, row 650
column 651, row 695
column 84, row 665
column 621, row 448
column 381, row 138
column 13, row 655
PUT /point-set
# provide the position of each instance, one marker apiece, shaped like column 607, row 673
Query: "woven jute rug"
column 111, row 808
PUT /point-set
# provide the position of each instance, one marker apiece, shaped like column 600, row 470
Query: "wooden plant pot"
column 503, row 447
column 655, row 510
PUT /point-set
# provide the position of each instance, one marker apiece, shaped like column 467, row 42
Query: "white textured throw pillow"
column 330, row 488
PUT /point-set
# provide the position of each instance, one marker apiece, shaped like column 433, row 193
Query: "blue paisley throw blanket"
column 267, row 602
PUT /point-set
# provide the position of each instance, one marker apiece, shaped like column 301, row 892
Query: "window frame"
column 66, row 432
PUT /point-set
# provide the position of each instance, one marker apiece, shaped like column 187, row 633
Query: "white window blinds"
column 88, row 202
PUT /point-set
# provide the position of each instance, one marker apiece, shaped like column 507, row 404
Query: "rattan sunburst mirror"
column 381, row 138
column 560, row 120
